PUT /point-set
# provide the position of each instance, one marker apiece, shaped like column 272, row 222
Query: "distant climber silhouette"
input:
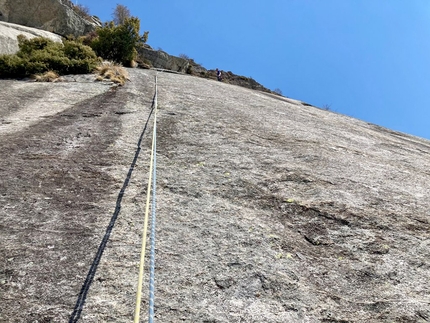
column 218, row 75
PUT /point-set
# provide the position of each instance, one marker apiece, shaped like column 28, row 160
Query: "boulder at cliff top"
column 160, row 59
column 9, row 33
column 57, row 16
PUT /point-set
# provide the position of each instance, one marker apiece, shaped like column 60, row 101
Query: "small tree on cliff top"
column 120, row 14
column 82, row 10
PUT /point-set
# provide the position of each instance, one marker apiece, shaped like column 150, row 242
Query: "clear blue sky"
column 369, row 59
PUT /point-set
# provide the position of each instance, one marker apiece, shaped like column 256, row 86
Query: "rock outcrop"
column 148, row 57
column 243, row 81
column 57, row 16
column 9, row 33
column 160, row 59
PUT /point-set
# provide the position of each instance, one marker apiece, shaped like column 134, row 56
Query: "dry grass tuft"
column 113, row 72
column 134, row 64
column 49, row 76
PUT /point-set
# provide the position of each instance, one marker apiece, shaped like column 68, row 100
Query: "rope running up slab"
column 152, row 176
column 77, row 311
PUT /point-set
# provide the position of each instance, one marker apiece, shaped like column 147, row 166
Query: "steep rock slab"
column 56, row 16
column 78, row 149
column 9, row 33
column 268, row 210
column 274, row 211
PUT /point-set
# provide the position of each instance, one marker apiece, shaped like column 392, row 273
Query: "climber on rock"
column 218, row 75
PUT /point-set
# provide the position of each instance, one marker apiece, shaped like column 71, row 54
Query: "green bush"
column 119, row 43
column 39, row 55
column 11, row 65
column 78, row 51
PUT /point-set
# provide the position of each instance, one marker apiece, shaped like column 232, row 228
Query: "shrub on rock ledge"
column 119, row 43
column 39, row 55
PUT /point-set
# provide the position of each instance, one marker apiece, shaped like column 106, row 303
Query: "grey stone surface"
column 9, row 33
column 56, row 16
column 269, row 210
column 160, row 59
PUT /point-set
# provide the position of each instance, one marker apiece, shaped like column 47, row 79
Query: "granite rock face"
column 57, row 16
column 268, row 209
column 160, row 59
column 9, row 33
